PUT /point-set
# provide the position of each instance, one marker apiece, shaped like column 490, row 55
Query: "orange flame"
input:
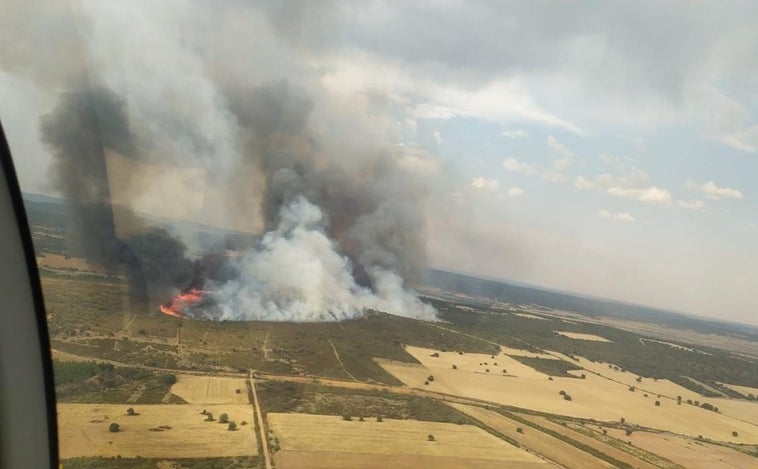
column 181, row 302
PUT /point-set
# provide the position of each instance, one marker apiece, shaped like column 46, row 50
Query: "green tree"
column 223, row 418
column 232, row 426
column 114, row 428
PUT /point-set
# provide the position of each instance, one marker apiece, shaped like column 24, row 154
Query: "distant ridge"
column 520, row 294
column 42, row 199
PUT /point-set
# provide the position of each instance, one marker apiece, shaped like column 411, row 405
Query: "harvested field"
column 312, row 441
column 541, row 443
column 687, row 452
column 579, row 336
column 56, row 261
column 210, row 389
column 589, row 441
column 744, row 390
column 83, row 431
column 594, row 397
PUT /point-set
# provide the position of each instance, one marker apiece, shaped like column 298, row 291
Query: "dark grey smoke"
column 372, row 209
column 80, row 130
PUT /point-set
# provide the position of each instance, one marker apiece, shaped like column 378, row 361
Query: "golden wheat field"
column 504, row 380
column 83, row 431
column 335, row 442
column 210, row 389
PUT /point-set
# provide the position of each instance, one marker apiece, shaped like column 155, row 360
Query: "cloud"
column 565, row 156
column 695, row 204
column 714, row 192
column 438, row 137
column 516, row 134
column 554, row 177
column 727, row 120
column 513, row 165
column 485, row 184
column 618, row 216
column 515, row 192
column 635, row 186
column 416, row 159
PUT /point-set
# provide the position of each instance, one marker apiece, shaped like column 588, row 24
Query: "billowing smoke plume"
column 80, row 131
column 337, row 218
column 297, row 273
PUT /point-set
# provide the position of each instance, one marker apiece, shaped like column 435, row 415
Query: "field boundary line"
column 261, row 425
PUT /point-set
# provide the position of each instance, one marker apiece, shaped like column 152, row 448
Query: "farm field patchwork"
column 390, row 443
column 593, row 397
column 687, row 452
column 556, row 450
column 84, row 431
column 210, row 389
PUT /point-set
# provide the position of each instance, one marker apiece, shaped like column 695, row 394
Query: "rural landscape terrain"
column 509, row 376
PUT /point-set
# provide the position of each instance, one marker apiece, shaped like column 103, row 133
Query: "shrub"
column 623, row 420
column 628, row 431
column 430, row 378
column 605, row 432
column 584, row 376
column 567, row 397
column 735, row 434
column 520, row 430
column 455, row 367
column 232, row 426
column 223, row 418
column 430, row 437
column 361, row 419
column 347, row 417
column 243, row 422
column 114, row 428
column 130, row 411
column 238, row 391
column 208, row 417
column 562, row 392
column 379, row 418
column 632, row 388
column 168, row 379
column 487, row 370
column 426, row 383
column 657, row 403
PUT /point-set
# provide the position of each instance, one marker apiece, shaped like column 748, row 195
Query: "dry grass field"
column 83, row 431
column 310, row 441
column 556, row 450
column 745, row 390
column 56, row 261
column 580, row 336
column 594, row 397
column 590, row 441
column 210, row 389
column 688, row 452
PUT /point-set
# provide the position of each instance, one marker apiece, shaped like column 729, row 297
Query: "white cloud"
column 485, row 184
column 516, row 134
column 636, row 186
column 416, row 158
column 554, row 177
column 692, row 204
column 515, row 192
column 618, row 216
column 714, row 192
column 438, row 137
column 565, row 156
column 514, row 165
column 647, row 194
column 727, row 120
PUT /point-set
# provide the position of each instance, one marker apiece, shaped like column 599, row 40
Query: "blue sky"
column 608, row 148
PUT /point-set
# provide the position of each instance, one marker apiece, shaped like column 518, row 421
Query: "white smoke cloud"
column 296, row 273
